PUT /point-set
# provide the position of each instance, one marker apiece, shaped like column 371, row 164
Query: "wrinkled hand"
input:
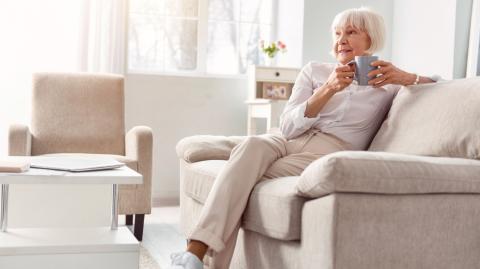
column 340, row 78
column 387, row 73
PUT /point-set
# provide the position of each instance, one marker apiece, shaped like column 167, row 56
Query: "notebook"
column 13, row 165
column 75, row 164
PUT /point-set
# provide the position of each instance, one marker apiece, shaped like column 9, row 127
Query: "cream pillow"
column 206, row 147
column 388, row 173
column 435, row 119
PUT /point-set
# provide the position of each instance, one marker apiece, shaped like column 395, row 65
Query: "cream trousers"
column 256, row 158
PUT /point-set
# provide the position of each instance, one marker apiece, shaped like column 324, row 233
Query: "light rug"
column 146, row 260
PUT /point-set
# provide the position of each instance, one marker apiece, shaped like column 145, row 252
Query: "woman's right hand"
column 340, row 78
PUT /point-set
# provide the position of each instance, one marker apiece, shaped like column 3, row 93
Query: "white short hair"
column 366, row 20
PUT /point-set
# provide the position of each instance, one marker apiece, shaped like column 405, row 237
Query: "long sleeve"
column 293, row 121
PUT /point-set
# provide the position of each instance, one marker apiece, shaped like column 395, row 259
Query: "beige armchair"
column 83, row 114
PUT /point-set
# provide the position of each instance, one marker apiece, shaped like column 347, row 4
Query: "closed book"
column 13, row 165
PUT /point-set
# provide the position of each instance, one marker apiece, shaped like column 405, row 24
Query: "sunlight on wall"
column 35, row 37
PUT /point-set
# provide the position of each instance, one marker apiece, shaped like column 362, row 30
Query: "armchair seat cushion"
column 388, row 173
column 273, row 208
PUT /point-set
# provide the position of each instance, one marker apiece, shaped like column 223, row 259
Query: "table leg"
column 114, row 225
column 4, row 212
column 251, row 124
column 269, row 124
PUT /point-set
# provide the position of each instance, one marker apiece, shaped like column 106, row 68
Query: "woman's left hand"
column 387, row 73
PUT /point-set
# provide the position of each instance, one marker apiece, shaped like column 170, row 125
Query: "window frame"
column 473, row 56
column 202, row 44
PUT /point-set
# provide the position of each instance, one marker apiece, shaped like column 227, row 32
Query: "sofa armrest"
column 139, row 147
column 19, row 140
column 363, row 230
column 388, row 173
column 206, row 147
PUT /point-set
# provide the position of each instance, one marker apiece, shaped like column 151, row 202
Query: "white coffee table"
column 92, row 247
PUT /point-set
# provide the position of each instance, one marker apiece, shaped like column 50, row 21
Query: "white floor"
column 161, row 235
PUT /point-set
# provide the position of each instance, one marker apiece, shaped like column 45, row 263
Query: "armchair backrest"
column 78, row 112
column 435, row 119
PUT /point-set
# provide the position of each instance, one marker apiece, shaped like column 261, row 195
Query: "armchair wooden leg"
column 128, row 220
column 138, row 229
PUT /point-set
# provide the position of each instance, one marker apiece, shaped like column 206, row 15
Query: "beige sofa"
column 83, row 114
column 411, row 201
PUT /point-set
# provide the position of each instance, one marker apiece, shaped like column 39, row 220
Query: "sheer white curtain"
column 54, row 35
column 103, row 36
column 473, row 62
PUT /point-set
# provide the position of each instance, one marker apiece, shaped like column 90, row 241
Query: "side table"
column 264, row 109
column 73, row 248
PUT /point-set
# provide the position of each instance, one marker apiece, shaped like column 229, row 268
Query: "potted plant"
column 271, row 50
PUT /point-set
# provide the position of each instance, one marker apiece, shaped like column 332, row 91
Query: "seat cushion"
column 273, row 209
column 198, row 178
column 436, row 119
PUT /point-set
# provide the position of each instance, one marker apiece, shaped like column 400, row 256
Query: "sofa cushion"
column 273, row 208
column 206, row 147
column 388, row 173
column 435, row 119
column 198, row 178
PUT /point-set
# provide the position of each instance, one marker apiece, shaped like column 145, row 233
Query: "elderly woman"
column 327, row 112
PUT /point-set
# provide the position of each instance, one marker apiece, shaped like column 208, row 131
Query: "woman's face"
column 350, row 42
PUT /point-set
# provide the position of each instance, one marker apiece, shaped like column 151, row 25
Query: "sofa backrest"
column 78, row 112
column 435, row 119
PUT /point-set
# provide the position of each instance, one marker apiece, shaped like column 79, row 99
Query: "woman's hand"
column 340, row 78
column 387, row 73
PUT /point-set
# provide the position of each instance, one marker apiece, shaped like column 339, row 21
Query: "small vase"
column 270, row 61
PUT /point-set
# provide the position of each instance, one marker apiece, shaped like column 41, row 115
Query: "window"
column 197, row 36
column 473, row 60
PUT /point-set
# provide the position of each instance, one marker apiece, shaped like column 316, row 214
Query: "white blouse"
column 353, row 114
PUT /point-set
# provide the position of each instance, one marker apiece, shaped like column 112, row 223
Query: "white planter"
column 270, row 61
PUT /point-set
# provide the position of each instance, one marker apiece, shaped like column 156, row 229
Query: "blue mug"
column 362, row 68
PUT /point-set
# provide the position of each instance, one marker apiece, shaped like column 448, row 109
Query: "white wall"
column 431, row 36
column 176, row 107
column 318, row 17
